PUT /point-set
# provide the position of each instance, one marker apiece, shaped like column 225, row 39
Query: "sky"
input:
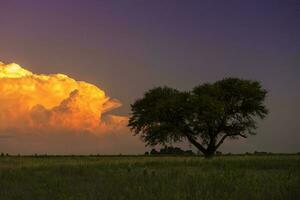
column 126, row 47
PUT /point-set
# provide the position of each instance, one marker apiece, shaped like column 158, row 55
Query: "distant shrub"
column 153, row 152
column 260, row 153
column 171, row 151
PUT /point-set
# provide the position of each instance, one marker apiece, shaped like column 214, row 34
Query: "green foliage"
column 156, row 115
column 150, row 178
column 205, row 116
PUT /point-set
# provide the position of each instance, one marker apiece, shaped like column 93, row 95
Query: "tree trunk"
column 211, row 148
column 209, row 153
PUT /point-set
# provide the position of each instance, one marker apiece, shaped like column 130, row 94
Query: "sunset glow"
column 35, row 103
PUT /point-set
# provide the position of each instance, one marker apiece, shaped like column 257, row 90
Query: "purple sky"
column 128, row 46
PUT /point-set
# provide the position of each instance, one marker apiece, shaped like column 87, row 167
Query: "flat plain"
column 147, row 177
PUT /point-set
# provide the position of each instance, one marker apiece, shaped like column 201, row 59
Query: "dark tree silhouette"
column 205, row 116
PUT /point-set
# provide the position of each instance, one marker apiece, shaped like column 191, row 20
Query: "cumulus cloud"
column 56, row 109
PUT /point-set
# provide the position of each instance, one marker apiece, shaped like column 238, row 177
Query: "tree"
column 205, row 116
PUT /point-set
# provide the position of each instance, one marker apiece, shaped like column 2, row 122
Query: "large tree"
column 205, row 116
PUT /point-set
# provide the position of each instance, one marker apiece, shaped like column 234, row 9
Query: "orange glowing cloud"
column 37, row 103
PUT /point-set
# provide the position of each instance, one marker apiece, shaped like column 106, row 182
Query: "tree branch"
column 228, row 135
column 195, row 143
column 244, row 136
column 221, row 141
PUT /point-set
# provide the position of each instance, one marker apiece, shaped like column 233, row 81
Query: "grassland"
column 143, row 178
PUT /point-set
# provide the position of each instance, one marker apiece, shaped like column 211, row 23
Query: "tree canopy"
column 205, row 116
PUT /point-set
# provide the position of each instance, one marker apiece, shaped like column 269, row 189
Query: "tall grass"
column 143, row 178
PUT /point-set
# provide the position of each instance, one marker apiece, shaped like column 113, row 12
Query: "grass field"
column 143, row 178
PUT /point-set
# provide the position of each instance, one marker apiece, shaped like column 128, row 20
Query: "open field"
column 142, row 178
